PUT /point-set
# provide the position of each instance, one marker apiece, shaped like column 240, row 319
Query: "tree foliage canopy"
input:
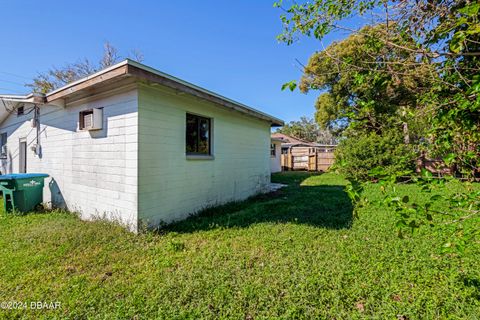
column 308, row 130
column 366, row 81
column 420, row 58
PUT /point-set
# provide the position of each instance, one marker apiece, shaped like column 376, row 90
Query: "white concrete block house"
column 136, row 145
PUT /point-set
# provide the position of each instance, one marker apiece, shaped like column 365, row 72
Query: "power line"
column 5, row 81
column 10, row 91
column 13, row 82
column 15, row 75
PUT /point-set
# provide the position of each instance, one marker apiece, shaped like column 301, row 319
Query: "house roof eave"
column 130, row 68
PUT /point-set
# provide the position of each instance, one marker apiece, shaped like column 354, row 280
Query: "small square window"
column 198, row 135
column 20, row 111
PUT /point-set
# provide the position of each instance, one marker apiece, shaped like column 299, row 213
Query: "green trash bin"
column 22, row 191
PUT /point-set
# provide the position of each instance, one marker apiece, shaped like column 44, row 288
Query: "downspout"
column 36, row 119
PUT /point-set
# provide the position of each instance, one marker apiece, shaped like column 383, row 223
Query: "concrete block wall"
column 171, row 186
column 135, row 169
column 93, row 173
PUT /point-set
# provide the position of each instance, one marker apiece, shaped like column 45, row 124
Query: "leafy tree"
column 368, row 85
column 442, row 33
column 57, row 77
column 307, row 129
column 370, row 91
column 455, row 121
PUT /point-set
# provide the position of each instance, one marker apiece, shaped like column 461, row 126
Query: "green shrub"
column 357, row 155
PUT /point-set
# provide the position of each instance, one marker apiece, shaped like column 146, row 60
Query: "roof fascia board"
column 96, row 74
column 35, row 98
column 107, row 74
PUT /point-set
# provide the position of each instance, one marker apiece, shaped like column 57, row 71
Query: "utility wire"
column 15, row 75
column 9, row 90
column 5, row 81
column 13, row 82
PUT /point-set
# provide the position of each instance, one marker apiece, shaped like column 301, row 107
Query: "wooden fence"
column 435, row 166
column 308, row 158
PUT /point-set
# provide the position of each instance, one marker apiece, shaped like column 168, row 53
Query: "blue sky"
column 229, row 47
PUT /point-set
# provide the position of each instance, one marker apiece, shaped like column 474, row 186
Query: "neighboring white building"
column 275, row 155
column 133, row 144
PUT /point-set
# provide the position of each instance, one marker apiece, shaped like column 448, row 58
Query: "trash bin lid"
column 14, row 176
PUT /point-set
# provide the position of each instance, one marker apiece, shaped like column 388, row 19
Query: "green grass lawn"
column 294, row 254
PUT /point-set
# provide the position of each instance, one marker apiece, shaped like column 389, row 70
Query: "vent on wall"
column 91, row 119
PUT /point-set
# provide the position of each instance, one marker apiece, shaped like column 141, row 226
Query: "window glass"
column 191, row 143
column 204, row 139
column 198, row 135
column 272, row 149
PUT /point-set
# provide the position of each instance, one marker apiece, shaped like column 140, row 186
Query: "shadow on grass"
column 474, row 283
column 322, row 205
